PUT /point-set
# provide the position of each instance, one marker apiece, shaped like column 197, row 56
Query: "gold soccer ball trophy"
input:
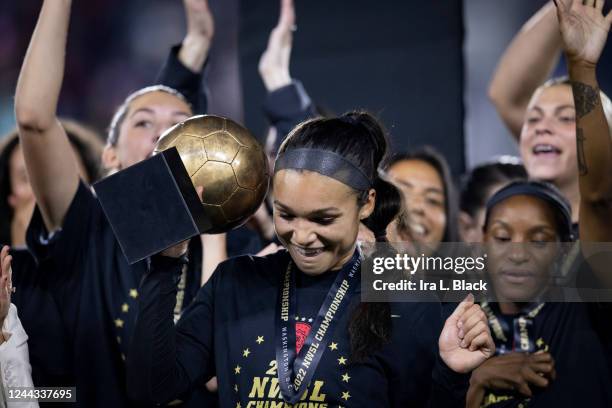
column 227, row 161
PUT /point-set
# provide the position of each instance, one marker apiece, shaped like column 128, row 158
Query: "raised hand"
column 274, row 62
column 584, row 29
column 465, row 341
column 200, row 32
column 200, row 21
column 6, row 283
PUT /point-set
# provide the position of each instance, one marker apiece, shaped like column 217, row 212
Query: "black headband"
column 543, row 191
column 324, row 162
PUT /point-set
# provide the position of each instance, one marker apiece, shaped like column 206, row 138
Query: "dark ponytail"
column 388, row 207
column 359, row 138
column 370, row 324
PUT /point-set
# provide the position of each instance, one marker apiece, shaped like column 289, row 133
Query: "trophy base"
column 152, row 205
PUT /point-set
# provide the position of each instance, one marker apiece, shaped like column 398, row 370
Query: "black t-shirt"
column 95, row 291
column 48, row 345
column 229, row 332
column 579, row 337
column 577, row 342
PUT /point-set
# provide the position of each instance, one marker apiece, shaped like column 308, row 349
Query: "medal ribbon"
column 522, row 330
column 296, row 371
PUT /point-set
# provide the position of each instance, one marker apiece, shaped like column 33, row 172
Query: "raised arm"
column 287, row 102
column 585, row 30
column 49, row 158
column 200, row 31
column 164, row 361
column 274, row 62
column 183, row 70
column 525, row 65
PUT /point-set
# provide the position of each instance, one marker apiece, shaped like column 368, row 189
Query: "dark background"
column 400, row 60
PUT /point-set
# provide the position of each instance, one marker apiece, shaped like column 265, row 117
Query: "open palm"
column 584, row 28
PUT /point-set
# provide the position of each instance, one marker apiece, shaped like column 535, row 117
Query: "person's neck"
column 510, row 308
column 571, row 191
column 345, row 258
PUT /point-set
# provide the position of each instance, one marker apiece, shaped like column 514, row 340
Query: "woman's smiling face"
column 548, row 136
column 317, row 219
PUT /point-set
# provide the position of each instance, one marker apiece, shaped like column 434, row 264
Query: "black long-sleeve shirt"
column 229, row 332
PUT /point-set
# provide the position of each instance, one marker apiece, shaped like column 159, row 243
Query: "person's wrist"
column 577, row 64
column 275, row 78
column 197, row 40
column 477, row 380
column 194, row 51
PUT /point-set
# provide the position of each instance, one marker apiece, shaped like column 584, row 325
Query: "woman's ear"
column 366, row 210
column 110, row 160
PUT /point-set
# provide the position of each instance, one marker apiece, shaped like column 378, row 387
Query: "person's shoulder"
column 249, row 266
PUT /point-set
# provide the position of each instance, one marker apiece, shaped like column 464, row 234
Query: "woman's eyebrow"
column 563, row 107
column 317, row 211
column 146, row 110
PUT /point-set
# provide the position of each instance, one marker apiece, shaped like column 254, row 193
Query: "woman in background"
column 478, row 186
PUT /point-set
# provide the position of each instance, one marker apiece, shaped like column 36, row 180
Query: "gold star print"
column 540, row 342
column 125, row 307
column 333, row 346
column 133, row 293
column 119, row 323
column 237, row 369
column 238, row 405
column 259, row 340
column 342, row 361
column 346, row 396
column 345, row 377
column 118, row 339
column 246, row 352
column 236, row 387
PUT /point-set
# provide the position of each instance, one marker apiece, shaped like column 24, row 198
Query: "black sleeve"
column 437, row 385
column 175, row 75
column 285, row 108
column 166, row 361
column 448, row 388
